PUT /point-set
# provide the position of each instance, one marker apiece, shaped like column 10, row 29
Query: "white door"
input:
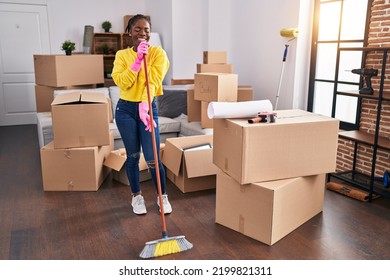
column 23, row 33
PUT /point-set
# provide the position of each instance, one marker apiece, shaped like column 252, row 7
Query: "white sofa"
column 172, row 115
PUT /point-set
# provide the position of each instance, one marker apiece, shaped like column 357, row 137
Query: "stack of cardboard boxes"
column 82, row 139
column 56, row 72
column 272, row 175
column 189, row 159
column 214, row 80
column 269, row 177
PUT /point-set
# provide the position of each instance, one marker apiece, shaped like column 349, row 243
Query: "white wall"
column 189, row 36
column 302, row 65
column 258, row 46
column 161, row 15
column 68, row 18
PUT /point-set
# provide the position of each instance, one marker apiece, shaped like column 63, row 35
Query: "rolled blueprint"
column 246, row 109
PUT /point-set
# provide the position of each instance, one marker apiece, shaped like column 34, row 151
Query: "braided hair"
column 134, row 19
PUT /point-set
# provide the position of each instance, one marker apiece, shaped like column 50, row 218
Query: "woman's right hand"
column 142, row 50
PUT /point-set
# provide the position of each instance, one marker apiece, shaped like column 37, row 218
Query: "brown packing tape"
column 82, row 141
column 70, row 186
column 241, row 224
column 68, row 154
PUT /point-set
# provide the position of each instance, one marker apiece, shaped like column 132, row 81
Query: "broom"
column 166, row 245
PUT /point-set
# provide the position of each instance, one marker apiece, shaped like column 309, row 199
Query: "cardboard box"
column 216, row 87
column 193, row 106
column 76, row 169
column 80, row 119
column 205, row 122
column 214, row 57
column 299, row 143
column 214, row 68
column 244, row 93
column 116, row 161
column 197, row 110
column 268, row 211
column 189, row 162
column 44, row 95
column 68, row 70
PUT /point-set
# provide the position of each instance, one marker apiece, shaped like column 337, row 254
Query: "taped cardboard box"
column 210, row 57
column 197, row 111
column 116, row 161
column 44, row 95
column 205, row 122
column 81, row 119
column 75, row 169
column 268, row 211
column 244, row 93
column 214, row 68
column 299, row 143
column 193, row 106
column 68, row 70
column 188, row 161
column 220, row 87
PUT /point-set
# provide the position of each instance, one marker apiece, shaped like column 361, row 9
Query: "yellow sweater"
column 132, row 84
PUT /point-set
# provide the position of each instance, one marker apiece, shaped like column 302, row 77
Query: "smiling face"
column 140, row 31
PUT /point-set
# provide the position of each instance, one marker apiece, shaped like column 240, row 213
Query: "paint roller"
column 291, row 33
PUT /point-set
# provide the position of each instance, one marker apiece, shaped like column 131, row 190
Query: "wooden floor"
column 38, row 225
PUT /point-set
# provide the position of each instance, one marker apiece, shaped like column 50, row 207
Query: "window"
column 337, row 24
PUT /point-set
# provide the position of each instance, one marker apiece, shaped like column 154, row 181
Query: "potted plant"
column 105, row 49
column 68, row 46
column 106, row 25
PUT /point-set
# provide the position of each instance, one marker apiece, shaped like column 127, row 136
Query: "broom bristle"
column 165, row 246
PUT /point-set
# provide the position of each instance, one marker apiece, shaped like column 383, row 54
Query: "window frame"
column 313, row 61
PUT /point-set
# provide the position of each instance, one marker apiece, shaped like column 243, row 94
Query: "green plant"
column 105, row 49
column 106, row 25
column 68, row 46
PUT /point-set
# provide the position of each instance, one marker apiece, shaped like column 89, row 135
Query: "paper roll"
column 246, row 109
column 289, row 32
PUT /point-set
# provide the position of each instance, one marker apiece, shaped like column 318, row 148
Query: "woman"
column 132, row 111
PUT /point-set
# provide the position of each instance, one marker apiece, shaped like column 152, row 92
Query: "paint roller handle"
column 285, row 53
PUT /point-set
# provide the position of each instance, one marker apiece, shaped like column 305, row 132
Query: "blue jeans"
column 133, row 134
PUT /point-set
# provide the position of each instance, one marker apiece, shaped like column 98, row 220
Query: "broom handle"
column 164, row 226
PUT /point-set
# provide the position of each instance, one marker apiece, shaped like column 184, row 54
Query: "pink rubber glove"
column 143, row 109
column 142, row 50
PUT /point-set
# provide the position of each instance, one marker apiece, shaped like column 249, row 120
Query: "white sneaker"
column 138, row 204
column 167, row 206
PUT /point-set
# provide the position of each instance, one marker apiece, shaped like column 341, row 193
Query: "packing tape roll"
column 289, row 32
